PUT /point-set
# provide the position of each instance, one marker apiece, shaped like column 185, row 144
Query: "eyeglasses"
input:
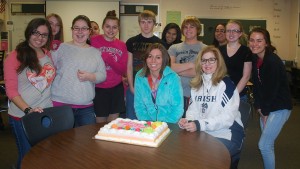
column 233, row 31
column 83, row 29
column 220, row 30
column 210, row 61
column 38, row 34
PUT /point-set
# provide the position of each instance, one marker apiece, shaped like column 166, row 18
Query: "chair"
column 3, row 104
column 2, row 56
column 4, row 100
column 245, row 110
column 38, row 126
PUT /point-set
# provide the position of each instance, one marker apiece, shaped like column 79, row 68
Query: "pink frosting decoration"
column 131, row 124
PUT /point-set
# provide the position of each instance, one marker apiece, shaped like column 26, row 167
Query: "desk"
column 76, row 149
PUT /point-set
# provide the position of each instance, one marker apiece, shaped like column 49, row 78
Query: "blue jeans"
column 244, row 98
column 273, row 126
column 84, row 116
column 130, row 113
column 186, row 103
column 21, row 139
column 234, row 151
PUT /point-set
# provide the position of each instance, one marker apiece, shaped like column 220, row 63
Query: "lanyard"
column 153, row 85
column 258, row 66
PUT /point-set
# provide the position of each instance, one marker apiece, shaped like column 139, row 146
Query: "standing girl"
column 171, row 35
column 56, row 30
column 27, row 86
column 95, row 28
column 109, row 100
column 271, row 92
column 220, row 36
column 237, row 57
column 79, row 68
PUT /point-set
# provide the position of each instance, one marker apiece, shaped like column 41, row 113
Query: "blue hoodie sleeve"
column 139, row 92
column 176, row 107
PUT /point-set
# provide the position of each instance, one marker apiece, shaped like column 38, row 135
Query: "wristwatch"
column 27, row 110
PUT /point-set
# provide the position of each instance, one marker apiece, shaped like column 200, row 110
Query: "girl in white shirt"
column 214, row 103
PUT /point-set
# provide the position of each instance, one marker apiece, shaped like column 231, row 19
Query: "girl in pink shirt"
column 109, row 99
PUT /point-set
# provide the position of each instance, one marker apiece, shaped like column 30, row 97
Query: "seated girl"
column 158, row 93
column 214, row 103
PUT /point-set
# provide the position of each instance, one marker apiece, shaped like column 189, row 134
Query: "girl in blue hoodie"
column 158, row 92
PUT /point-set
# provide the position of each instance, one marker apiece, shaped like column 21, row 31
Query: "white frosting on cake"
column 134, row 135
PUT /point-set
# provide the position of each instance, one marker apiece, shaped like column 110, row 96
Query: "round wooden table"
column 76, row 149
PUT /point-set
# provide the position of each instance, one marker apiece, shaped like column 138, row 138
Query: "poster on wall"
column 174, row 17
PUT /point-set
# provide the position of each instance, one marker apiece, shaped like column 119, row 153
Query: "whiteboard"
column 68, row 10
column 20, row 23
column 129, row 27
column 129, row 19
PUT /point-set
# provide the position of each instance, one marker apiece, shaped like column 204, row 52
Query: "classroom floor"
column 287, row 148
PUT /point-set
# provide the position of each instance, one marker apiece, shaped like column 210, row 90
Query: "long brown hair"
column 26, row 55
column 165, row 58
column 269, row 48
column 178, row 32
column 60, row 34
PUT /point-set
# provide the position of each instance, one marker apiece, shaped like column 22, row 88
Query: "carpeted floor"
column 287, row 147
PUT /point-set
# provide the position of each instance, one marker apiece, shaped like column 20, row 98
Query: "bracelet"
column 27, row 110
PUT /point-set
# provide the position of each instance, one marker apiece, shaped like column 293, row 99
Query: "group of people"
column 185, row 82
column 44, row 71
column 257, row 62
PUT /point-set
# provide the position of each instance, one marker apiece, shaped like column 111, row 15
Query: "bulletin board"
column 209, row 26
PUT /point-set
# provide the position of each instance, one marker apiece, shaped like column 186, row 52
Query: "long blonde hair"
column 217, row 76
